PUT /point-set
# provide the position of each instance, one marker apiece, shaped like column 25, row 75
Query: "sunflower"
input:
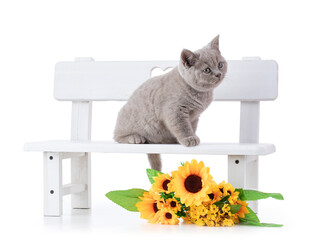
column 148, row 207
column 162, row 183
column 228, row 189
column 213, row 194
column 172, row 204
column 167, row 216
column 191, row 182
column 243, row 210
column 225, row 187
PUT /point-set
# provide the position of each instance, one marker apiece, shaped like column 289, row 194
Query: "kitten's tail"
column 155, row 161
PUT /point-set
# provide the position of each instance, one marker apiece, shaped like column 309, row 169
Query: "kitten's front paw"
column 136, row 139
column 190, row 141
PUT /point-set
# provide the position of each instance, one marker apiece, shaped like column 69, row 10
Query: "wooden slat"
column 53, row 201
column 81, row 122
column 73, row 189
column 246, row 80
column 71, row 155
column 112, row 147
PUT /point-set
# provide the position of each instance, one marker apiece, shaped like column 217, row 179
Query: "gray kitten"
column 166, row 109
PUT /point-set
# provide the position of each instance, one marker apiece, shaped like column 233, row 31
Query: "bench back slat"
column 246, row 80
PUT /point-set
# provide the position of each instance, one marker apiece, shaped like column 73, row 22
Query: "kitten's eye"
column 207, row 70
column 220, row 65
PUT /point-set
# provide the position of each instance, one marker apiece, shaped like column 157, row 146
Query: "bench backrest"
column 246, row 80
column 84, row 81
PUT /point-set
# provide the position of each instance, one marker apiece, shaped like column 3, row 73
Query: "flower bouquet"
column 191, row 194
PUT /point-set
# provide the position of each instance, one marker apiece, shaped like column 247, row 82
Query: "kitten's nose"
column 218, row 75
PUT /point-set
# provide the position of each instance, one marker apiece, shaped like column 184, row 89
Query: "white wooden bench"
column 249, row 81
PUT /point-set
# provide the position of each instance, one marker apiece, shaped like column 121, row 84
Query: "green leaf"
column 241, row 193
column 166, row 196
column 151, row 173
column 222, row 202
column 259, row 224
column 234, row 208
column 252, row 195
column 252, row 219
column 251, row 216
column 181, row 214
column 126, row 198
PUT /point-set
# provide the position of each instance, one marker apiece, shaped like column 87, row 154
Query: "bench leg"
column 81, row 174
column 243, row 173
column 53, row 198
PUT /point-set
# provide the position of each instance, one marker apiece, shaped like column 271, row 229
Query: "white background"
column 37, row 34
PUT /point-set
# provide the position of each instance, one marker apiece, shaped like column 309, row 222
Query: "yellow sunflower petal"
column 243, row 210
column 148, row 207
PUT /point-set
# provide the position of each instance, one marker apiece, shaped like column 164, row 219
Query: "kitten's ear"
column 214, row 44
column 188, row 58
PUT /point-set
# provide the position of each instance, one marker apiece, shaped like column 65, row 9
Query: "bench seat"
column 113, row 147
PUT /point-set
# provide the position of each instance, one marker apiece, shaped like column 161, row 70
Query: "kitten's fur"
column 166, row 109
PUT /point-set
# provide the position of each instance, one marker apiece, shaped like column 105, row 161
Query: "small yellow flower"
column 210, row 223
column 228, row 222
column 187, row 219
column 225, row 211
column 211, row 215
column 200, row 222
column 226, row 218
column 193, row 213
column 235, row 218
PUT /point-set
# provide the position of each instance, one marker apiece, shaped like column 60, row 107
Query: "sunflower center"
column 211, row 196
column 193, row 183
column 173, row 204
column 164, row 184
column 155, row 207
column 168, row 215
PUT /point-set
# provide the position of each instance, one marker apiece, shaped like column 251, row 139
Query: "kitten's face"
column 204, row 69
